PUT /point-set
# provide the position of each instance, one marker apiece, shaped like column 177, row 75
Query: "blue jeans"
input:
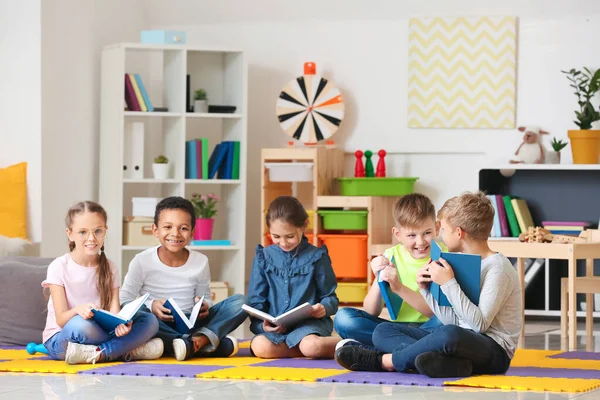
column 406, row 343
column 351, row 323
column 86, row 331
column 222, row 319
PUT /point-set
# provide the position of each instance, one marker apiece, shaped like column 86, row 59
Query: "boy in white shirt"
column 172, row 271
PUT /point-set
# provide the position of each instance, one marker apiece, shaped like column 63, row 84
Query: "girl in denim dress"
column 285, row 275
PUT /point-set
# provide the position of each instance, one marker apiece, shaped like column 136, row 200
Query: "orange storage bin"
column 348, row 254
column 269, row 242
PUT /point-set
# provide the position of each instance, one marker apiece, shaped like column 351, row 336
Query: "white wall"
column 362, row 47
column 20, row 99
column 74, row 33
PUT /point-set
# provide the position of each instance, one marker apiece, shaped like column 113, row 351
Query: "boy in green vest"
column 415, row 228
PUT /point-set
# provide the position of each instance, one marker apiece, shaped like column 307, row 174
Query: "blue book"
column 182, row 323
column 392, row 301
column 467, row 271
column 228, row 167
column 109, row 321
column 211, row 243
column 216, row 160
column 140, row 84
column 191, row 165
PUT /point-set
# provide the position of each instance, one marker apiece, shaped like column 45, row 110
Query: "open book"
column 183, row 324
column 109, row 321
column 288, row 319
column 392, row 301
column 467, row 271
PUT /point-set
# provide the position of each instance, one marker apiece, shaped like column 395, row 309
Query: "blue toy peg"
column 33, row 348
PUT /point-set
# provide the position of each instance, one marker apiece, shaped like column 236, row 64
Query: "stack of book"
column 224, row 162
column 511, row 217
column 565, row 227
column 136, row 96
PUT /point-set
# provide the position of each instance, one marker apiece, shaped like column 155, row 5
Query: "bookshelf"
column 163, row 69
column 554, row 192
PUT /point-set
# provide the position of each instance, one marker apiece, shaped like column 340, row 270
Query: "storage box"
column 219, row 291
column 344, row 219
column 144, row 206
column 163, row 37
column 137, row 231
column 348, row 254
column 290, row 172
column 352, row 292
column 377, row 186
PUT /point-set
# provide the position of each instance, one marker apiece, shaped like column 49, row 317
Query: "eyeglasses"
column 83, row 234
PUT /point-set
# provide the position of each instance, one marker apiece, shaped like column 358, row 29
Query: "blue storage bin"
column 163, row 37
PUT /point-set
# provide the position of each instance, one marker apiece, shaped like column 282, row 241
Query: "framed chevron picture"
column 462, row 72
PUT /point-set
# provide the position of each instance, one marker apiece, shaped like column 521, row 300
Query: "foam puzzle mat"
column 531, row 370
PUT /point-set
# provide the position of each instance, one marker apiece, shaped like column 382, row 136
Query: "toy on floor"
column 367, row 170
column 310, row 108
column 33, row 348
column 531, row 150
column 541, row 235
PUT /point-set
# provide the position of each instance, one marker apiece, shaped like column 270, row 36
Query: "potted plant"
column 553, row 157
column 585, row 142
column 205, row 208
column 161, row 167
column 200, row 101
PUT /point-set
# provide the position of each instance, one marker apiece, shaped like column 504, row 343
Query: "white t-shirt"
column 80, row 287
column 147, row 274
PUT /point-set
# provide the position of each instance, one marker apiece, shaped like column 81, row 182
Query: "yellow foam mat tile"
column 539, row 358
column 523, row 383
column 18, row 355
column 244, row 345
column 225, row 362
column 48, row 366
column 271, row 373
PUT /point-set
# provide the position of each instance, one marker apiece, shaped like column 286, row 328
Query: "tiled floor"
column 541, row 335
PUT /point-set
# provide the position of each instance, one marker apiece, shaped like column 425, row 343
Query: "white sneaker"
column 148, row 351
column 350, row 342
column 82, row 353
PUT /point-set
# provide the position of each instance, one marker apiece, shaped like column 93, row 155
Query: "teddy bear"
column 531, row 150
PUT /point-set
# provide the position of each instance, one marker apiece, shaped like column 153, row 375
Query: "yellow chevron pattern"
column 462, row 72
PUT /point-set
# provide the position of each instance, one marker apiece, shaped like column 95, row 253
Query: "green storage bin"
column 377, row 186
column 344, row 220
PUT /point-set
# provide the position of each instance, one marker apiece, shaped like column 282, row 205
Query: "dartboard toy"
column 310, row 108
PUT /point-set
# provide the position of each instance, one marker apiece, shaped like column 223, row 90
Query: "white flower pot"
column 200, row 106
column 552, row 157
column 161, row 171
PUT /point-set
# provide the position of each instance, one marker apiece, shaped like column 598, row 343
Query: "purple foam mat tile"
column 387, row 378
column 243, row 353
column 577, row 355
column 135, row 369
column 12, row 347
column 301, row 363
column 553, row 372
column 40, row 358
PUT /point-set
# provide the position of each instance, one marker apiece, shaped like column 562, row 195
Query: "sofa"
column 23, row 304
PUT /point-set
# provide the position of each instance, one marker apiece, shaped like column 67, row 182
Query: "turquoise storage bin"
column 163, row 37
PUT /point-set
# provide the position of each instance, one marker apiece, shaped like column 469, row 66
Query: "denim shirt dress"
column 283, row 280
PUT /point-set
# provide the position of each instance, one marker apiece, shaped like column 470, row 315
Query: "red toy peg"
column 380, row 172
column 359, row 168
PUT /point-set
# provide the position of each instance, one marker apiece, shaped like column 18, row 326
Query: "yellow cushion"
column 13, row 201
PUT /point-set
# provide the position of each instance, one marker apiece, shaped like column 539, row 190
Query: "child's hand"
column 379, row 263
column 203, row 313
column 390, row 275
column 267, row 327
column 85, row 310
column 441, row 274
column 161, row 312
column 318, row 311
column 123, row 329
column 423, row 276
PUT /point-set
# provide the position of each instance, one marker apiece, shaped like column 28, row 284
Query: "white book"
column 183, row 324
column 109, row 321
column 288, row 319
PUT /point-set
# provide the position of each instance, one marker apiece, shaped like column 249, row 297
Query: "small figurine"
column 380, row 171
column 531, row 150
column 359, row 168
column 369, row 171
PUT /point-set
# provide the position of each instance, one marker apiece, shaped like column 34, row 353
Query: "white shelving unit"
column 163, row 69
